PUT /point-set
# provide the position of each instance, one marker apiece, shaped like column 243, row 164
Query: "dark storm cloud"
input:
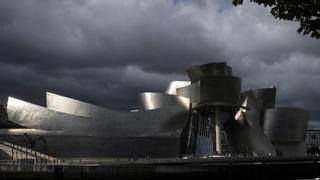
column 105, row 52
column 104, row 33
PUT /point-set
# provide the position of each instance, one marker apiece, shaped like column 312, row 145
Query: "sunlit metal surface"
column 106, row 123
column 248, row 129
column 22, row 131
column 152, row 100
column 213, row 90
column 207, row 117
column 71, row 106
column 153, row 133
column 4, row 122
column 210, row 69
column 266, row 95
column 174, row 85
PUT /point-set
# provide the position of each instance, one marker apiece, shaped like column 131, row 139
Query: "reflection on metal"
column 286, row 128
column 71, row 106
column 174, row 85
column 285, row 124
column 4, row 121
column 106, row 123
column 248, row 129
column 253, row 106
column 152, row 100
column 266, row 95
column 143, row 130
column 208, row 118
column 218, row 139
column 213, row 90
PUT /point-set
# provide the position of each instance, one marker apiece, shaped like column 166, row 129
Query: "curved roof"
column 154, row 100
column 103, row 123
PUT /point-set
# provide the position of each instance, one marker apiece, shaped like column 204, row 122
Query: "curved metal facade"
column 285, row 124
column 174, row 85
column 213, row 90
column 153, row 133
column 286, row 128
column 208, row 116
column 106, row 123
column 247, row 133
column 152, row 100
column 72, row 106
column 266, row 95
column 210, row 69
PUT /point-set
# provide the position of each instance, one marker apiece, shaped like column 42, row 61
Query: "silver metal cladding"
column 285, row 124
column 266, row 95
column 174, row 85
column 72, row 106
column 220, row 121
column 152, row 100
column 153, row 133
column 213, row 90
column 210, row 69
column 247, row 131
column 168, row 120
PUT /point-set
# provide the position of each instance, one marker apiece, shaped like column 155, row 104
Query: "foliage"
column 307, row 12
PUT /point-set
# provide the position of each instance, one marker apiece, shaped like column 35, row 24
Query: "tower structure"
column 213, row 94
column 206, row 116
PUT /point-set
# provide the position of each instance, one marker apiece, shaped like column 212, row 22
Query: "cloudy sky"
column 106, row 51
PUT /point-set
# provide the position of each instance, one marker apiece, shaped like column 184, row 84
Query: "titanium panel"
column 174, row 85
column 266, row 95
column 247, row 133
column 213, row 90
column 169, row 120
column 285, row 124
column 192, row 92
column 250, row 112
column 71, row 106
column 4, row 122
column 246, row 140
column 152, row 100
column 210, row 69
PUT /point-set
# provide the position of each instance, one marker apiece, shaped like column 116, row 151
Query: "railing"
column 26, row 155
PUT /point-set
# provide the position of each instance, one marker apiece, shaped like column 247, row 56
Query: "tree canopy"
column 306, row 12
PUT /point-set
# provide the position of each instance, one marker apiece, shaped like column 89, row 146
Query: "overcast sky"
column 106, row 51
